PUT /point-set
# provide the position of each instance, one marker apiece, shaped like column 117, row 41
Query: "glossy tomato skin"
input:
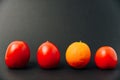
column 106, row 58
column 17, row 54
column 48, row 55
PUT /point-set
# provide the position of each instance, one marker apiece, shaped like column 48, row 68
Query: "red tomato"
column 17, row 54
column 48, row 55
column 106, row 58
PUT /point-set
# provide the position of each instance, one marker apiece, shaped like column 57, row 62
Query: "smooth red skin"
column 106, row 58
column 17, row 54
column 48, row 55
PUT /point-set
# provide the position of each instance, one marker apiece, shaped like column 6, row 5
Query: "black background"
column 96, row 22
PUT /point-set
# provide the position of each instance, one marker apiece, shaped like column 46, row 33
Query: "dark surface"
column 96, row 22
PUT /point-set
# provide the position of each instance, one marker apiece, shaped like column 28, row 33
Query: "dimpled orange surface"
column 78, row 55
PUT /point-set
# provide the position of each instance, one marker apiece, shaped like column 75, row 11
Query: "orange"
column 78, row 55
